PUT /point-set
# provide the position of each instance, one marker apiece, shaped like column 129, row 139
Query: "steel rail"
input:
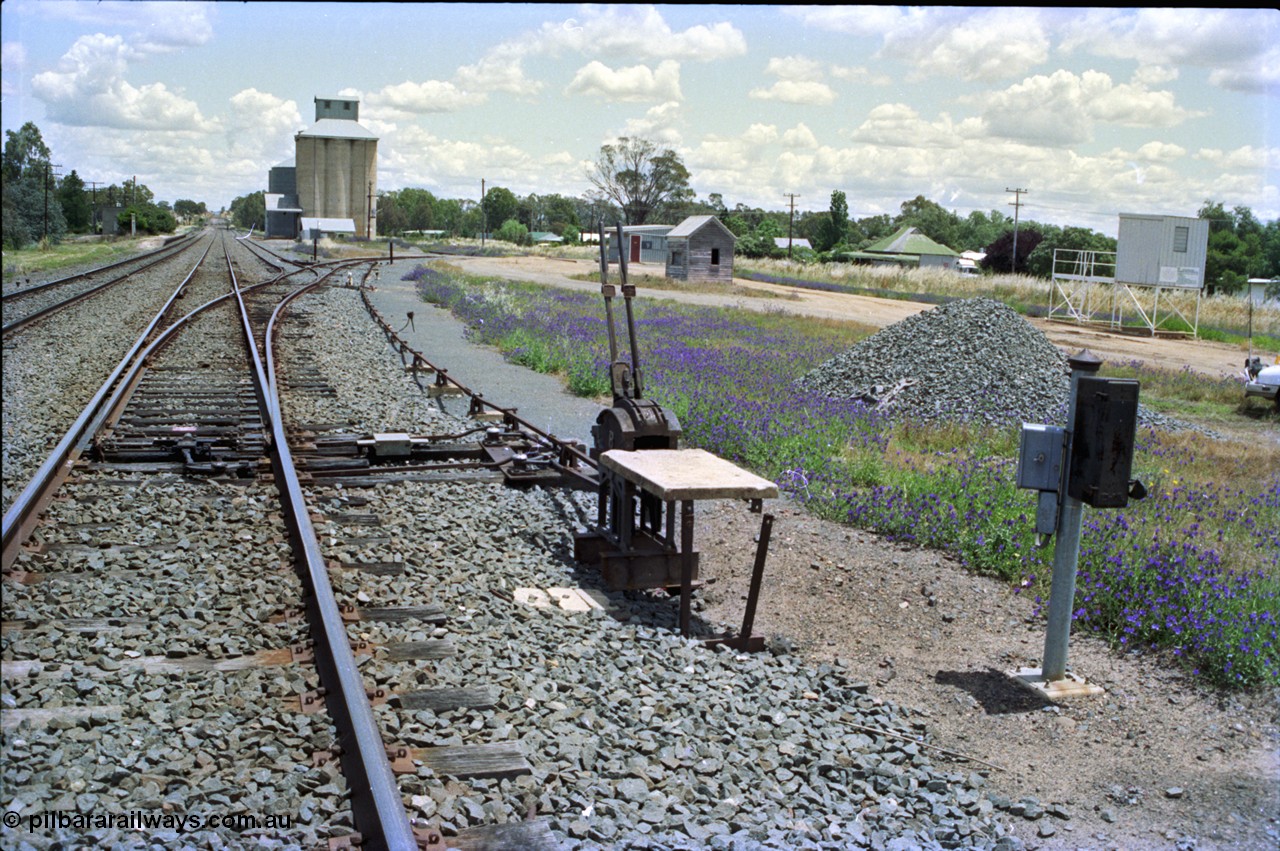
column 20, row 519
column 377, row 805
column 24, row 321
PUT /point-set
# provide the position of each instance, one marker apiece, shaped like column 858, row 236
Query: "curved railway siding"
column 155, row 651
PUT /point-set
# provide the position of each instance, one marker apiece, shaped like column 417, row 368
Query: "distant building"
column 796, row 242
column 700, row 249
column 645, row 243
column 333, row 177
column 907, row 247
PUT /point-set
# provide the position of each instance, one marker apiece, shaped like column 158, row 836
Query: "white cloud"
column 1160, row 152
column 13, row 62
column 431, row 96
column 1245, row 158
column 1063, row 108
column 260, row 126
column 1238, row 46
column 658, row 124
column 860, row 75
column 805, row 92
column 634, row 83
column 88, row 88
column 897, row 125
column 794, row 68
column 799, row 136
column 967, row 44
column 151, row 28
column 632, row 31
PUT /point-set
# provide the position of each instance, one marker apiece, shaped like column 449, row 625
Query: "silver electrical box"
column 1040, row 457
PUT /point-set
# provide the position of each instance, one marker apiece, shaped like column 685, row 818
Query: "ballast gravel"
column 973, row 360
column 638, row 738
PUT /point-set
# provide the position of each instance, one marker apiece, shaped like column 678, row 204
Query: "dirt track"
column 1216, row 359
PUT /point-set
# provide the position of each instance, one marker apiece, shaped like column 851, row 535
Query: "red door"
column 635, row 248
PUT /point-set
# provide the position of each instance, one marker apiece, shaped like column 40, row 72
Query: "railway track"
column 28, row 304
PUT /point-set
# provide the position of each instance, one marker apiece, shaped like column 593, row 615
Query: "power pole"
column 368, row 214
column 484, row 217
column 791, row 221
column 1017, row 204
column 93, row 187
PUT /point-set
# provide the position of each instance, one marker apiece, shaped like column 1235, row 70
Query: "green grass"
column 40, row 261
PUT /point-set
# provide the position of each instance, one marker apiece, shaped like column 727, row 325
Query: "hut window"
column 715, row 257
column 677, row 257
column 1180, row 236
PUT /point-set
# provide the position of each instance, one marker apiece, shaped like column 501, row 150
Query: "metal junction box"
column 1102, row 441
column 1040, row 457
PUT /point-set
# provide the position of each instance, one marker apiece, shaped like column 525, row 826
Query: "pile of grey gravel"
column 971, row 360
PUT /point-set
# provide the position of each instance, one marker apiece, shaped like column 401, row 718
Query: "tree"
column 187, row 208
column 25, row 152
column 1000, row 253
column 835, row 229
column 643, row 180
column 499, row 204
column 30, row 196
column 75, row 203
column 513, row 231
column 1040, row 261
column 248, row 210
column 932, row 220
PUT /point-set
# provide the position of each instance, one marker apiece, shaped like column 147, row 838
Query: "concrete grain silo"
column 337, row 166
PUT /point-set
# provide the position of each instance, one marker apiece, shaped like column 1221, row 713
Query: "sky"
column 1093, row 112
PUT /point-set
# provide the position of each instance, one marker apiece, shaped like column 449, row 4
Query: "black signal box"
column 1102, row 441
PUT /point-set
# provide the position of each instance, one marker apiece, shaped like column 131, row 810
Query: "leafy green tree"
column 560, row 213
column 835, row 229
column 148, row 218
column 499, row 205
column 930, row 219
column 248, row 210
column 570, row 235
column 30, row 193
column 187, row 208
column 25, row 152
column 75, row 203
column 1040, row 261
column 513, row 231
column 978, row 230
column 865, row 231
column 645, row 181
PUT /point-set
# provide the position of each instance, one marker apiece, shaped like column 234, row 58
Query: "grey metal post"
column 1066, row 550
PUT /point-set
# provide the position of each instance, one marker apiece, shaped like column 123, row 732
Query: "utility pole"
column 791, row 221
column 484, row 217
column 368, row 213
column 93, row 187
column 1017, row 204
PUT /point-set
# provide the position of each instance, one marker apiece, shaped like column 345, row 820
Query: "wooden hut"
column 700, row 249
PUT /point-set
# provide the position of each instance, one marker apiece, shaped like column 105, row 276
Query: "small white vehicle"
column 1263, row 381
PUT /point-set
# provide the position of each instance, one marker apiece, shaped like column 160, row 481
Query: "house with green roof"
column 907, row 247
